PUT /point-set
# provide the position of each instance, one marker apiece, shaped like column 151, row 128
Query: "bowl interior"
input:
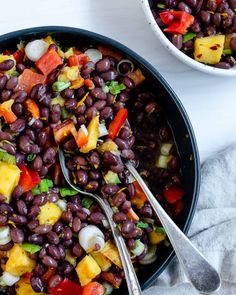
column 176, row 115
column 147, row 4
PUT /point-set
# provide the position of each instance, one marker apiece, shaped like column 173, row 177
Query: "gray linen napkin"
column 213, row 230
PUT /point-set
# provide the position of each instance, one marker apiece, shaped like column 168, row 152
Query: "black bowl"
column 176, row 114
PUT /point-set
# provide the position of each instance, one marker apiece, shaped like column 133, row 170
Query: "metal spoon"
column 130, row 275
column 198, row 270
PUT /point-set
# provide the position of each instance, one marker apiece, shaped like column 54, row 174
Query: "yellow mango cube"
column 101, row 260
column 87, row 269
column 155, row 237
column 19, row 262
column 9, row 178
column 49, row 214
column 24, row 288
column 110, row 251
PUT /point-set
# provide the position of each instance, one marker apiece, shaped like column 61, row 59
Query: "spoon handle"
column 130, row 275
column 199, row 272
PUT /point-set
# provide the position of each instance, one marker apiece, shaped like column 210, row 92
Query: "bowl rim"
column 154, row 72
column 179, row 54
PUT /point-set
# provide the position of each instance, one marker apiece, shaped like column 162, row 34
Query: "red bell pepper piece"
column 218, row 2
column 81, row 137
column 49, row 61
column 89, row 83
column 28, row 178
column 7, row 52
column 173, row 193
column 117, row 123
column 28, row 79
column 18, row 56
column 94, row 288
column 48, row 274
column 78, row 60
column 32, row 107
column 112, row 278
column 66, row 287
column 166, row 17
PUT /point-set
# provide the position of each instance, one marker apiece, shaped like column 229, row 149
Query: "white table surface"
column 210, row 101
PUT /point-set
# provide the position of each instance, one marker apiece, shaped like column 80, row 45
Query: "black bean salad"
column 202, row 29
column 52, row 240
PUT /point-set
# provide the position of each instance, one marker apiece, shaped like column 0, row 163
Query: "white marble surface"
column 210, row 101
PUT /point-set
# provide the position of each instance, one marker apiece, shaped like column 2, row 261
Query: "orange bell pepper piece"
column 49, row 61
column 32, row 107
column 94, row 288
column 28, row 79
column 139, row 199
column 6, row 112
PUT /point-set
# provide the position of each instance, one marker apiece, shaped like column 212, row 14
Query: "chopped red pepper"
column 218, row 2
column 48, row 274
column 28, row 79
column 94, row 288
column 33, row 108
column 117, row 123
column 139, row 198
column 28, row 178
column 81, row 137
column 78, row 60
column 26, row 277
column 49, row 61
column 18, row 55
column 66, row 287
column 112, row 278
column 173, row 193
column 178, row 21
column 89, row 83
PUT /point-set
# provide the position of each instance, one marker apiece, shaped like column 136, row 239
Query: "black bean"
column 127, row 227
column 19, row 96
column 227, row 22
column 196, row 28
column 18, row 125
column 11, row 83
column 109, row 189
column 53, row 238
column 124, row 96
column 119, row 217
column 36, row 239
column 122, row 144
column 94, row 175
column 18, row 219
column 67, row 93
column 117, row 168
column 68, row 243
column 3, row 81
column 30, row 133
column 6, row 209
column 21, row 206
column 110, row 158
column 28, row 197
column 20, row 67
column 110, row 99
column 205, row 16
column 109, row 75
column 82, row 215
column 6, row 94
column 73, row 207
column 88, row 68
column 98, row 81
column 98, row 93
column 77, row 250
column 3, row 219
column 70, row 104
column 128, row 82
column 94, row 159
column 81, row 109
column 32, row 224
column 67, row 216
column 54, row 252
column 177, row 40
column 43, row 171
column 97, row 217
column 8, row 148
column 76, row 225
column 65, row 268
column 106, row 113
column 17, row 235
column 223, row 65
column 81, row 120
column 54, row 281
column 37, row 163
column 35, row 149
column 38, row 91
column 188, row 46
column 232, row 4
column 146, row 211
column 92, row 186
column 45, row 114
column 233, row 44
column 24, row 144
column 58, row 227
column 128, row 154
column 53, row 197
column 33, row 211
column 42, row 138
column 36, row 284
column 103, row 65
column 6, row 65
column 42, row 229
column 91, row 112
column 119, row 199
column 184, row 7
column 4, row 135
column 81, row 177
column 125, row 207
column 7, row 246
column 40, row 200
column 49, row 261
column 67, row 234
column 192, row 3
column 49, row 156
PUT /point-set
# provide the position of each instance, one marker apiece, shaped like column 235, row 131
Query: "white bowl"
column 176, row 52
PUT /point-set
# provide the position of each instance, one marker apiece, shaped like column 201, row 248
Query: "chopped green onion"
column 138, row 249
column 5, row 157
column 227, row 51
column 86, row 202
column 45, row 184
column 105, row 88
column 115, row 88
column 64, row 113
column 188, row 36
column 162, row 161
column 141, row 224
column 35, row 190
column 31, row 248
column 15, row 74
column 166, row 148
column 161, row 5
column 160, row 230
column 60, row 86
column 30, row 157
column 67, row 192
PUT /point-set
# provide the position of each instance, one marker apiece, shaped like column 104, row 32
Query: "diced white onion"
column 87, row 211
column 35, row 49
column 151, row 260
column 139, row 248
column 166, row 148
column 4, row 241
column 151, row 256
column 31, row 122
column 131, row 178
column 102, row 130
column 89, row 236
column 93, row 54
column 108, row 288
column 105, row 223
column 8, row 279
column 5, row 236
column 84, row 129
column 62, row 205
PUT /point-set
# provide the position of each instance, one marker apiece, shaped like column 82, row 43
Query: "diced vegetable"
column 141, row 224
column 110, row 52
column 109, row 288
column 112, row 278
column 18, row 55
column 31, row 248
column 32, row 107
column 209, row 49
column 89, row 83
column 58, row 100
column 70, row 258
column 5, row 236
column 45, row 184
column 108, row 146
column 188, row 36
column 156, row 236
column 60, row 86
column 115, row 88
column 8, row 158
column 49, row 214
column 151, row 255
column 162, row 161
column 117, row 123
column 77, row 83
column 173, row 193
column 62, row 204
column 50, row 41
column 67, row 192
column 49, row 62
column 110, row 251
column 66, row 287
column 69, row 52
column 61, row 131
column 138, row 248
column 81, row 137
column 8, row 279
column 9, row 178
column 6, row 112
column 28, row 79
column 93, row 54
column 28, row 178
column 78, row 59
column 101, row 260
column 69, row 74
column 112, row 177
column 35, row 49
column 137, row 76
column 102, row 130
column 87, row 202
column 132, row 215
column 89, row 236
column 139, row 199
column 87, row 269
column 94, row 288
column 228, row 38
column 180, row 22
column 19, row 262
column 24, row 288
column 93, row 134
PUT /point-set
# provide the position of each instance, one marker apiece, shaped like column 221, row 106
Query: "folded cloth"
column 213, row 230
